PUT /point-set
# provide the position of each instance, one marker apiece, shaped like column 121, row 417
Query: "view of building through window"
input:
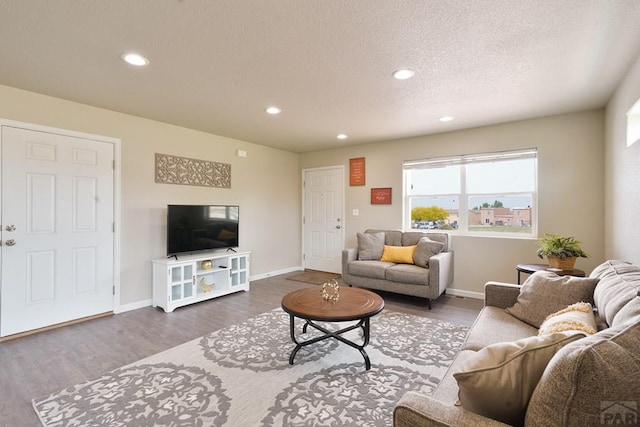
column 489, row 193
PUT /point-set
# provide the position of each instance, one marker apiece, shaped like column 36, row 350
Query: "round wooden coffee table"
column 353, row 304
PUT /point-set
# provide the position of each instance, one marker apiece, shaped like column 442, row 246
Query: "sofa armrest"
column 440, row 273
column 501, row 295
column 419, row 410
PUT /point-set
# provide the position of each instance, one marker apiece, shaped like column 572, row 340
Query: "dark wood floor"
column 46, row 362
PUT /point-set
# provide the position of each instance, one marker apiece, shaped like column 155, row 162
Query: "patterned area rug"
column 240, row 376
column 314, row 277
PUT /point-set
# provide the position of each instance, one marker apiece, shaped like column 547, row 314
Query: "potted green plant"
column 561, row 252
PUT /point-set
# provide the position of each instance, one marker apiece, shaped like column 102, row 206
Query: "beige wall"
column 570, row 184
column 266, row 185
column 622, row 165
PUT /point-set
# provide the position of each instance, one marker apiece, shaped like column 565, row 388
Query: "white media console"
column 194, row 278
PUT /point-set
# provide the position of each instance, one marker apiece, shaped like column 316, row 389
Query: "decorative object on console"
column 561, row 252
column 185, row 171
column 331, row 291
column 206, row 287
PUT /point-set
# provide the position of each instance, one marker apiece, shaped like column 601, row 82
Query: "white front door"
column 323, row 219
column 57, row 229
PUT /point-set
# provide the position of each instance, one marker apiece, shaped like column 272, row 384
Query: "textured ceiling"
column 215, row 65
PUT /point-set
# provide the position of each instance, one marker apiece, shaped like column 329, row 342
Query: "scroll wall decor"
column 185, row 171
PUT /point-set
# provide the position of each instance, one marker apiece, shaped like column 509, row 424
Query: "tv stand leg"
column 231, row 249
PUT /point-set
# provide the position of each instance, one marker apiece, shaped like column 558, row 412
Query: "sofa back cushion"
column 544, row 293
column 591, row 381
column 410, row 238
column 391, row 237
column 619, row 283
column 370, row 246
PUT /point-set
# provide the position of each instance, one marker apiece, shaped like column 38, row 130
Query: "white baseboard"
column 132, row 306
column 466, row 294
column 276, row 273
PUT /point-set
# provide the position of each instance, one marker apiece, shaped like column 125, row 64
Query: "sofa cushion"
column 498, row 380
column 576, row 317
column 619, row 283
column 370, row 246
column 425, row 249
column 407, row 273
column 391, row 237
column 628, row 313
column 373, row 269
column 545, row 292
column 398, row 254
column 590, row 382
column 413, row 237
column 493, row 325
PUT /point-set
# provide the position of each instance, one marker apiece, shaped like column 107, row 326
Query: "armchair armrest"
column 419, row 410
column 501, row 295
column 440, row 273
column 348, row 255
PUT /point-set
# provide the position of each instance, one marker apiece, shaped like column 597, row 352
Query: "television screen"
column 193, row 228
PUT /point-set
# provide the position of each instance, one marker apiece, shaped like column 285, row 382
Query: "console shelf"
column 194, row 278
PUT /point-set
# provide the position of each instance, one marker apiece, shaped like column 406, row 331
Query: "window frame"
column 464, row 196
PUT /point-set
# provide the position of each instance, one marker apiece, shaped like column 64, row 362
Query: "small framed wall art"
column 356, row 171
column 381, row 196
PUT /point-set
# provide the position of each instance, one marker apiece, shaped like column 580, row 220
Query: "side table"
column 532, row 268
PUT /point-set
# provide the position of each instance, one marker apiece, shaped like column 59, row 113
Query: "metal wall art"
column 185, row 171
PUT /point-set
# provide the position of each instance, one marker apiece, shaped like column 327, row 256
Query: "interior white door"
column 57, row 229
column 323, row 219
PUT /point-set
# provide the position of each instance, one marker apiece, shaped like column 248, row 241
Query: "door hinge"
column 304, row 257
column 114, row 289
column 113, row 227
column 113, row 164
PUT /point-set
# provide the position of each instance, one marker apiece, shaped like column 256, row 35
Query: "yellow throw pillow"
column 398, row 254
column 576, row 317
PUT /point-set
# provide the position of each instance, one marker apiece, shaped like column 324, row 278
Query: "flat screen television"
column 196, row 228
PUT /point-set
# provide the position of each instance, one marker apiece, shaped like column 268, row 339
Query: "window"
column 480, row 194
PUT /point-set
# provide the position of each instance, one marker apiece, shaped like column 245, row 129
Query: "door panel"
column 58, row 193
column 323, row 226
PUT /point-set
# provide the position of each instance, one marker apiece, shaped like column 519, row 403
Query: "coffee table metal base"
column 362, row 323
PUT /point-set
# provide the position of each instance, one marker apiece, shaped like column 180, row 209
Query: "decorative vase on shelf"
column 206, row 264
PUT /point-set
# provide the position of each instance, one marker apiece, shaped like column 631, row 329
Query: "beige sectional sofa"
column 427, row 275
column 559, row 379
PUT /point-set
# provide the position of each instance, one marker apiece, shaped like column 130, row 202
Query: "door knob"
column 10, row 242
column 10, row 227
column 338, row 226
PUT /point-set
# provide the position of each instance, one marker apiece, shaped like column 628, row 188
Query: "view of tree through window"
column 490, row 194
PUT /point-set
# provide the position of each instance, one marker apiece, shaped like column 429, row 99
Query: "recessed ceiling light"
column 272, row 110
column 135, row 59
column 403, row 74
column 445, row 118
column 342, row 136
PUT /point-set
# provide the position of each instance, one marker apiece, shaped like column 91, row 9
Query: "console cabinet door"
column 181, row 285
